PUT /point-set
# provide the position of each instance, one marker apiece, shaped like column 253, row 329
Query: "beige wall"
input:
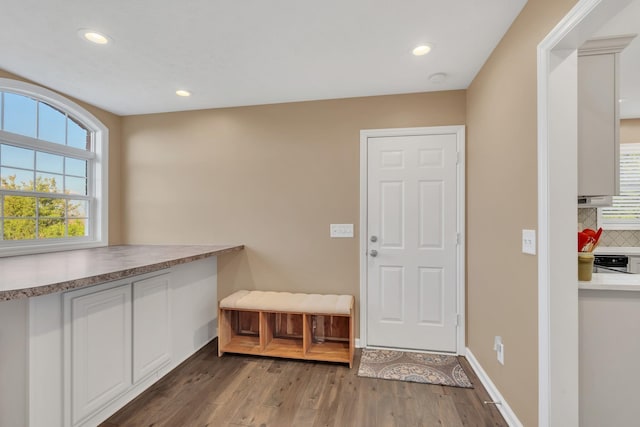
column 114, row 124
column 271, row 177
column 501, row 201
column 629, row 130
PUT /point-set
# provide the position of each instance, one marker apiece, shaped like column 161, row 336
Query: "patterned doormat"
column 425, row 368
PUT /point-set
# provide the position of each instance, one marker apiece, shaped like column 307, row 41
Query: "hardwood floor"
column 237, row 390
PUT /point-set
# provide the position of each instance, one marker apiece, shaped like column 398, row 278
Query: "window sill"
column 33, row 249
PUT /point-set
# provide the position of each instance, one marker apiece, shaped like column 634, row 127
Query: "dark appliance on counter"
column 611, row 264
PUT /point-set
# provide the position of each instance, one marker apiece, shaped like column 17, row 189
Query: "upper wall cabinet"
column 598, row 116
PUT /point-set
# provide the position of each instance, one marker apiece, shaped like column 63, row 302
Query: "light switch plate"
column 529, row 242
column 341, row 230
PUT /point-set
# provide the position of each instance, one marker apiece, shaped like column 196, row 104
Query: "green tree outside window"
column 55, row 217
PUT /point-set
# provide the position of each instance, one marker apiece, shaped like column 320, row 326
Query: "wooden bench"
column 291, row 325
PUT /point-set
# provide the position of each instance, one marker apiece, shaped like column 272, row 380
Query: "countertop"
column 32, row 275
column 612, row 282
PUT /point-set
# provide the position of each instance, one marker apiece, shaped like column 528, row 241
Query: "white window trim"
column 620, row 225
column 100, row 208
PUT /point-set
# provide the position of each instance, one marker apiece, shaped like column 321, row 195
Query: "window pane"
column 78, row 209
column 19, row 229
column 624, row 214
column 49, row 162
column 16, row 157
column 48, row 182
column 36, row 179
column 77, row 135
column 75, row 167
column 78, row 227
column 50, row 228
column 51, row 124
column 75, row 186
column 20, row 114
column 51, row 207
column 19, row 206
column 16, row 179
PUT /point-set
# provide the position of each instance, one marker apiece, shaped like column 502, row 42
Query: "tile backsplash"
column 588, row 217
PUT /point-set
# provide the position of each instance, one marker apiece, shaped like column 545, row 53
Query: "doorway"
column 411, row 238
column 557, row 193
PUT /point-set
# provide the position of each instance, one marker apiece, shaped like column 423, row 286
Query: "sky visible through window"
column 27, row 171
column 25, row 116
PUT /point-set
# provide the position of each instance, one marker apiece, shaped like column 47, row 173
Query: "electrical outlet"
column 496, row 341
column 498, row 347
column 501, row 353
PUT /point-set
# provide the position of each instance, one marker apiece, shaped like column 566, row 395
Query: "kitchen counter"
column 618, row 250
column 612, row 282
column 609, row 351
column 125, row 315
column 33, row 275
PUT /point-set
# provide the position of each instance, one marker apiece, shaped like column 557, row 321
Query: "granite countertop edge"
column 103, row 277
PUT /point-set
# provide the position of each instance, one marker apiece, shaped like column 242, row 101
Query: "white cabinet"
column 64, row 352
column 609, row 353
column 598, row 116
column 100, row 347
column 597, row 136
column 151, row 326
column 116, row 335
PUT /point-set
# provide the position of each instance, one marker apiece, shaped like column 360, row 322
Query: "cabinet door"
column 100, row 333
column 151, row 325
column 597, row 126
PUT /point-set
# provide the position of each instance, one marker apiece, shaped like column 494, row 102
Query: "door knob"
column 373, row 253
column 374, row 239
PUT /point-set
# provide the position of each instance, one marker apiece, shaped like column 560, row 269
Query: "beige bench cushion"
column 288, row 302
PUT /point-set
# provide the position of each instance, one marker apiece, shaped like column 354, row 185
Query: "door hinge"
column 458, row 238
column 458, row 320
column 458, row 158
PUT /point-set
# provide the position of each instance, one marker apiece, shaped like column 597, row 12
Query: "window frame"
column 97, row 171
column 620, row 224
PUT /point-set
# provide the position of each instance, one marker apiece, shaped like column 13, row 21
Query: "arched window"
column 53, row 172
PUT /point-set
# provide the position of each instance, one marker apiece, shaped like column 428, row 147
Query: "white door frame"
column 460, row 221
column 558, row 403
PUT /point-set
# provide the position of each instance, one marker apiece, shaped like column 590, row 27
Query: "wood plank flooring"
column 237, row 390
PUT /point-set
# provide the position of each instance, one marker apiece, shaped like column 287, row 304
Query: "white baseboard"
column 357, row 343
column 504, row 408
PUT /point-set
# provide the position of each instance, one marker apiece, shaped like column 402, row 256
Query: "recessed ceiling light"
column 93, row 36
column 622, row 100
column 183, row 93
column 421, row 50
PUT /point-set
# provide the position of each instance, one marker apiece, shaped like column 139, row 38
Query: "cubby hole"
column 329, row 337
column 284, row 334
column 243, row 330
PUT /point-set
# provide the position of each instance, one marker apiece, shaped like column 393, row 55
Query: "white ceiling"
column 627, row 22
column 247, row 52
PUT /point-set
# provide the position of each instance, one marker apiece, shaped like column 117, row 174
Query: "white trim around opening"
column 558, row 400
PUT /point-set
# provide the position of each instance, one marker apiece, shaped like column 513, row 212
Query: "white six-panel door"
column 412, row 238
